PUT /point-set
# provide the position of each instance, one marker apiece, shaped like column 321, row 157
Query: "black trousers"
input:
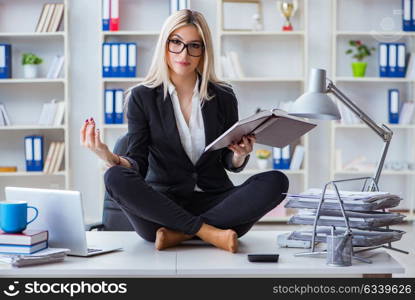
column 238, row 208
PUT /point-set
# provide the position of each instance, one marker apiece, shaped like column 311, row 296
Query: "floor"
column 407, row 243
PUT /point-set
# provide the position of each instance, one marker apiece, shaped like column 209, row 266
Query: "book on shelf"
column 231, row 65
column 275, row 128
column 50, row 17
column 407, row 112
column 410, row 70
column 26, row 237
column 54, row 157
column 8, row 169
column 56, row 67
column 23, row 249
column 4, row 117
column 52, row 113
column 297, row 158
column 5, row 61
column 48, row 255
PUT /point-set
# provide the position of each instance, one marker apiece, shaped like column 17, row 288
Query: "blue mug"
column 13, row 216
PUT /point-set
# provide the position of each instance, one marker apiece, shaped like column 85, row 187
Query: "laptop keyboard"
column 92, row 250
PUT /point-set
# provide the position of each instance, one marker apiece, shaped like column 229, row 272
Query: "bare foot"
column 166, row 238
column 226, row 239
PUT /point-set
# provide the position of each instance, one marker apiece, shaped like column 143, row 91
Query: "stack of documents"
column 361, row 238
column 360, row 209
column 355, row 201
column 48, row 255
column 362, row 220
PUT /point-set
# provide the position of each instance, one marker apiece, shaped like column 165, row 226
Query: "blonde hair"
column 159, row 72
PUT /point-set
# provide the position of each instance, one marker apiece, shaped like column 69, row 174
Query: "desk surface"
column 195, row 258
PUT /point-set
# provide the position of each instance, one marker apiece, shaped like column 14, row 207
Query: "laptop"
column 61, row 213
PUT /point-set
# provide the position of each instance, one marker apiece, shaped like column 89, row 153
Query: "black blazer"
column 155, row 149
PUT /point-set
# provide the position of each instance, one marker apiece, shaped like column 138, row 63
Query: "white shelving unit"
column 264, row 59
column 24, row 97
column 139, row 27
column 370, row 93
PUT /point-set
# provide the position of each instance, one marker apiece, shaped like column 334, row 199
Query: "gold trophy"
column 288, row 10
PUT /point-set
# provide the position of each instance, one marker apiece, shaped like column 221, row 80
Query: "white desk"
column 196, row 259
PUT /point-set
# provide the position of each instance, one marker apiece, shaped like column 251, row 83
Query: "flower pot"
column 262, row 163
column 30, row 71
column 359, row 68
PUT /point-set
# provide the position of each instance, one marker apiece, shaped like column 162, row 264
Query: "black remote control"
column 263, row 257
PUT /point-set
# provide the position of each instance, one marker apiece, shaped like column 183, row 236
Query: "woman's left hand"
column 244, row 147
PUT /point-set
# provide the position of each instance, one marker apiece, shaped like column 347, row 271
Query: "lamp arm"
column 383, row 131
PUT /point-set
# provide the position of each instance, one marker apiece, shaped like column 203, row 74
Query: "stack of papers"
column 362, row 220
column 48, row 255
column 361, row 238
column 356, row 201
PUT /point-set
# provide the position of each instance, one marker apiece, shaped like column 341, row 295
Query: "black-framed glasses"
column 193, row 49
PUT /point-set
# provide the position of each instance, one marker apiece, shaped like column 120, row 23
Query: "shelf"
column 31, row 127
column 375, row 33
column 33, row 34
column 33, row 80
column 256, row 171
column 261, row 33
column 122, row 79
column 364, row 126
column 263, row 79
column 372, row 79
column 384, row 172
column 131, row 33
column 9, row 174
column 115, row 126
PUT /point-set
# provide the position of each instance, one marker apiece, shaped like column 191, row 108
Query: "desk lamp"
column 316, row 104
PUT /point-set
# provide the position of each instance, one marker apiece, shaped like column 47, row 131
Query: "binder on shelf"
column 109, row 106
column 114, row 15
column 38, row 153
column 412, row 15
column 407, row 15
column 118, row 106
column 392, row 60
column 105, row 15
column 28, row 141
column 285, row 158
column 383, row 60
column 123, row 60
column 393, row 106
column 132, row 59
column 401, row 60
column 115, row 60
column 276, row 158
column 106, row 59
column 5, row 61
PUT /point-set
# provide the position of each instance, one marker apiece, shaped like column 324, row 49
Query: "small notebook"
column 275, row 128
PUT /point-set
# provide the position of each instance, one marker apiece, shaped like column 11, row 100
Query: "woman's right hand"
column 90, row 138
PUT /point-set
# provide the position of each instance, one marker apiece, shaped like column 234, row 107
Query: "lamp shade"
column 315, row 103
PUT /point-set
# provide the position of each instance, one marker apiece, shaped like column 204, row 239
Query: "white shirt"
column 192, row 137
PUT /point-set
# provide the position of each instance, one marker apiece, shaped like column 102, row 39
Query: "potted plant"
column 262, row 158
column 30, row 64
column 359, row 51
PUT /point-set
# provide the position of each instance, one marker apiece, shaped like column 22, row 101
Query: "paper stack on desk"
column 355, row 201
column 360, row 209
column 48, row 255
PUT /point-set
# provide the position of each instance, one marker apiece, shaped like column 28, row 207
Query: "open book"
column 274, row 128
